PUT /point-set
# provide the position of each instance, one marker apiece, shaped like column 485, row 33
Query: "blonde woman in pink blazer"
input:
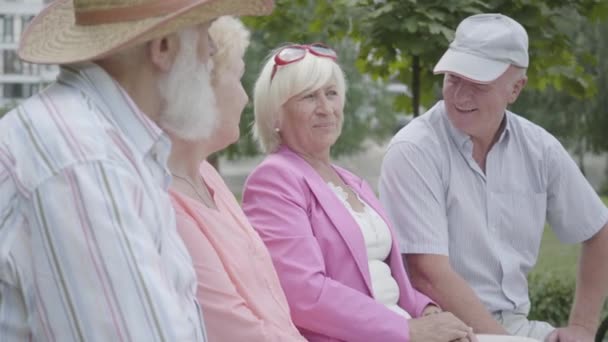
column 330, row 240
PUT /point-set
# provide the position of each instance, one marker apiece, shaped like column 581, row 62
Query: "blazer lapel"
column 341, row 218
column 344, row 223
column 367, row 195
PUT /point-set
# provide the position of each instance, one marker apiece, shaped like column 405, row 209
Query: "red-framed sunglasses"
column 293, row 53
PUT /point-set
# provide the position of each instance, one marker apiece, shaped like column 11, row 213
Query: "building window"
column 7, row 34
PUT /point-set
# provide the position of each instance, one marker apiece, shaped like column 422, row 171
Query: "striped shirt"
column 489, row 224
column 88, row 245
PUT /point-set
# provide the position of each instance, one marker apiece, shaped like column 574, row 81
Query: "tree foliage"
column 580, row 123
column 403, row 39
column 395, row 33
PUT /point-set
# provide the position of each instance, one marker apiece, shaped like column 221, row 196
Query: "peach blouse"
column 237, row 285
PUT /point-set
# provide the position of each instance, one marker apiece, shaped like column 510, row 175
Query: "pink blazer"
column 319, row 253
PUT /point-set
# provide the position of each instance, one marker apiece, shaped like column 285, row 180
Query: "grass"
column 557, row 257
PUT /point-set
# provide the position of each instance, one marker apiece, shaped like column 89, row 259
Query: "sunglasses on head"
column 293, row 53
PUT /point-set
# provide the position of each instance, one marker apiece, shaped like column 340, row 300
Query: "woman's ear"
column 163, row 51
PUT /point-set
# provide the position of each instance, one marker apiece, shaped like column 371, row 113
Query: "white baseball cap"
column 483, row 48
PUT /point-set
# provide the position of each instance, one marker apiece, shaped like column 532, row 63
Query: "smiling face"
column 477, row 109
column 312, row 121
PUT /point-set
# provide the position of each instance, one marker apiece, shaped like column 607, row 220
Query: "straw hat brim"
column 53, row 38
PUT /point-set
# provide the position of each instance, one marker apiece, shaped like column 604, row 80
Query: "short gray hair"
column 269, row 96
column 231, row 39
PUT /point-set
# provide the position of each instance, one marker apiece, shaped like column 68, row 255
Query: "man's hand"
column 571, row 333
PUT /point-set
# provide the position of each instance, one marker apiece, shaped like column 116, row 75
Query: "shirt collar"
column 115, row 104
column 462, row 139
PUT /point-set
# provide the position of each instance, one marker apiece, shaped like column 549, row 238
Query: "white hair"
column 269, row 96
column 190, row 110
column 231, row 39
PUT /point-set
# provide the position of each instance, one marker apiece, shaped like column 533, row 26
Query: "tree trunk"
column 581, row 156
column 415, row 85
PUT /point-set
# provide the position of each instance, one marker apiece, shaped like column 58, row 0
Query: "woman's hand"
column 440, row 327
column 431, row 309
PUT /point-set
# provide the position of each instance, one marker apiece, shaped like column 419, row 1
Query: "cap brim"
column 53, row 38
column 474, row 68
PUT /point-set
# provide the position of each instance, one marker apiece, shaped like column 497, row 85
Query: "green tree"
column 4, row 110
column 580, row 123
column 405, row 38
column 597, row 109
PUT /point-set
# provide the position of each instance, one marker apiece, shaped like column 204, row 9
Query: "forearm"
column 592, row 282
column 455, row 295
column 452, row 293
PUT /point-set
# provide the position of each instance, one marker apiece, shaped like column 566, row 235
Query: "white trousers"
column 517, row 323
column 504, row 338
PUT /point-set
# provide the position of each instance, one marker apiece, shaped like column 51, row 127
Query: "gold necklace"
column 192, row 186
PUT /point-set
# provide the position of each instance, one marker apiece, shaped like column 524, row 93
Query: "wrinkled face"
column 312, row 121
column 190, row 110
column 231, row 100
column 477, row 109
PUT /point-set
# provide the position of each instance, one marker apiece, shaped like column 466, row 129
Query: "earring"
column 277, row 129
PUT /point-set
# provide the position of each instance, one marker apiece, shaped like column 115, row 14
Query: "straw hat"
column 70, row 31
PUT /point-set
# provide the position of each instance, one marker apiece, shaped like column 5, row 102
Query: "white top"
column 490, row 223
column 378, row 242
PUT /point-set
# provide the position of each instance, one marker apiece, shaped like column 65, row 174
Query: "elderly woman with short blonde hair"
column 331, row 242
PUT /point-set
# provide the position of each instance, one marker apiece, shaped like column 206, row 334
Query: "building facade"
column 18, row 79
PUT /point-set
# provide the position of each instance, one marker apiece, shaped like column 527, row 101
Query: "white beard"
column 190, row 110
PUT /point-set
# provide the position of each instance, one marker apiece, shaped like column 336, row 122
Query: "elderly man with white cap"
column 469, row 186
column 88, row 245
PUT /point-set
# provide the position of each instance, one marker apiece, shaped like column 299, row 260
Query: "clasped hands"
column 438, row 326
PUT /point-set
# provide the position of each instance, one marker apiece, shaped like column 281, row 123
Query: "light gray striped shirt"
column 490, row 225
column 88, row 245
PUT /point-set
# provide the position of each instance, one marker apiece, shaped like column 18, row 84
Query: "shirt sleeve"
column 226, row 311
column 411, row 190
column 97, row 265
column 276, row 206
column 574, row 210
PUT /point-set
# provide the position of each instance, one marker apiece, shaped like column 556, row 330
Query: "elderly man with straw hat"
column 88, row 245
